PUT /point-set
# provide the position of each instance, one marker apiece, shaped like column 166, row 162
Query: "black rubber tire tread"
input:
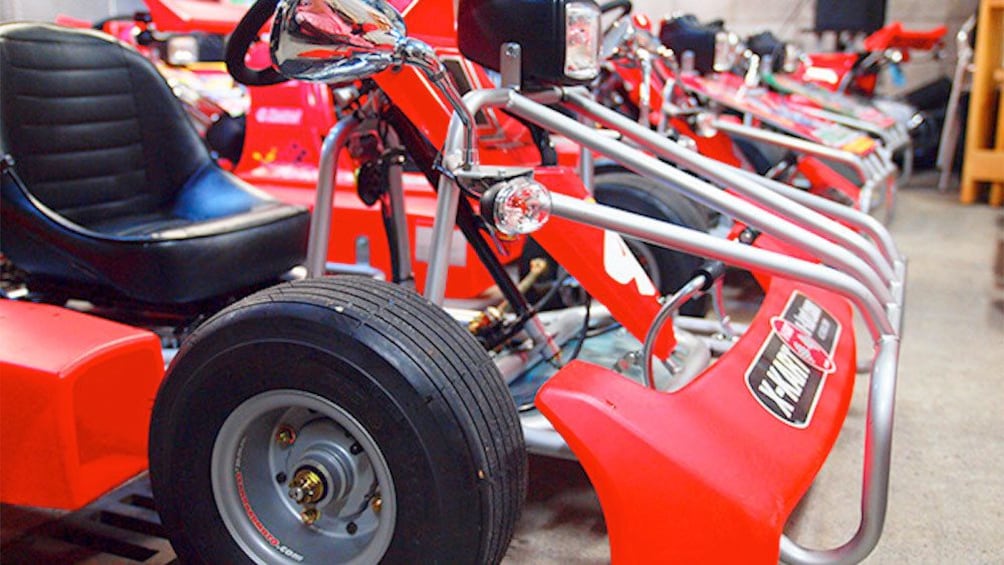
column 650, row 198
column 465, row 378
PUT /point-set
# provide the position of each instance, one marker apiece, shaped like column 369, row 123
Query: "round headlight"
column 792, row 58
column 517, row 206
column 727, row 48
column 582, row 40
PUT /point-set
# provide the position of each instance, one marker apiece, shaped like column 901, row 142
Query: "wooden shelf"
column 984, row 161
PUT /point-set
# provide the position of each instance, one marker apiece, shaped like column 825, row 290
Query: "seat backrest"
column 93, row 127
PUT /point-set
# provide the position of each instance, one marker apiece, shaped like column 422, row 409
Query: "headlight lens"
column 182, row 50
column 792, row 57
column 726, row 50
column 582, row 40
column 517, row 206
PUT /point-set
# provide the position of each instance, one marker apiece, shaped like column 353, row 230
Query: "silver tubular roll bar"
column 728, row 176
column 880, row 307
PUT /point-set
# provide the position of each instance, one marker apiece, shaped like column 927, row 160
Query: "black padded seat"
column 113, row 190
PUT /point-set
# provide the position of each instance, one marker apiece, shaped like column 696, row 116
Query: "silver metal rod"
column 794, row 143
column 448, row 193
column 869, row 226
column 689, row 290
column 424, row 57
column 951, row 129
column 875, row 469
column 763, row 220
column 447, row 200
column 731, row 177
column 320, row 219
column 728, row 251
column 871, row 304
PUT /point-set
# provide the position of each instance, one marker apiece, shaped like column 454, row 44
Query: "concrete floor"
column 947, row 486
column 946, row 502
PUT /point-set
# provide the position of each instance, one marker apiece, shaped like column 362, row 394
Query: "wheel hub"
column 293, row 473
column 307, row 486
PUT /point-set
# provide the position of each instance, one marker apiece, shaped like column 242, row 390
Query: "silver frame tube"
column 320, row 218
column 759, row 218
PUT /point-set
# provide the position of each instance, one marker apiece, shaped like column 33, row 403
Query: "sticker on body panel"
column 787, row 375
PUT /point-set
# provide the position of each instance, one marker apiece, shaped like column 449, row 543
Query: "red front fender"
column 711, row 473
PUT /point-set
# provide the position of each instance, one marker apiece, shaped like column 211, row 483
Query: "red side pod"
column 710, row 474
column 75, row 398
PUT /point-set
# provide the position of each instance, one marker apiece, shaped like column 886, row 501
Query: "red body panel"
column 706, row 474
column 893, row 36
column 74, row 406
column 829, row 69
column 190, row 15
column 774, row 109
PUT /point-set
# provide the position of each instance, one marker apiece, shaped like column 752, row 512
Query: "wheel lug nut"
column 351, row 528
column 376, row 504
column 310, row 515
column 285, row 436
column 356, row 449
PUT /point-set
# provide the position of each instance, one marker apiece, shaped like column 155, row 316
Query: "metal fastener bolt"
column 351, row 528
column 310, row 515
column 285, row 436
column 376, row 503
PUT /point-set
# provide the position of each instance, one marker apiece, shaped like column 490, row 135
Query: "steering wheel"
column 240, row 41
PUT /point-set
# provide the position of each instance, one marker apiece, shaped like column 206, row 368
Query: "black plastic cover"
column 483, row 26
column 686, row 33
column 766, row 44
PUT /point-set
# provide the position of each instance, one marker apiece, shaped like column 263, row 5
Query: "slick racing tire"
column 338, row 420
column 668, row 269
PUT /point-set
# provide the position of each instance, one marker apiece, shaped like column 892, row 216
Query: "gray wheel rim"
column 248, row 461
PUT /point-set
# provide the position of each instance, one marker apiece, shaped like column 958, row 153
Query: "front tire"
column 668, row 269
column 338, row 420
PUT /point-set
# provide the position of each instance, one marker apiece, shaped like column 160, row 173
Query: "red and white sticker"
column 788, row 373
